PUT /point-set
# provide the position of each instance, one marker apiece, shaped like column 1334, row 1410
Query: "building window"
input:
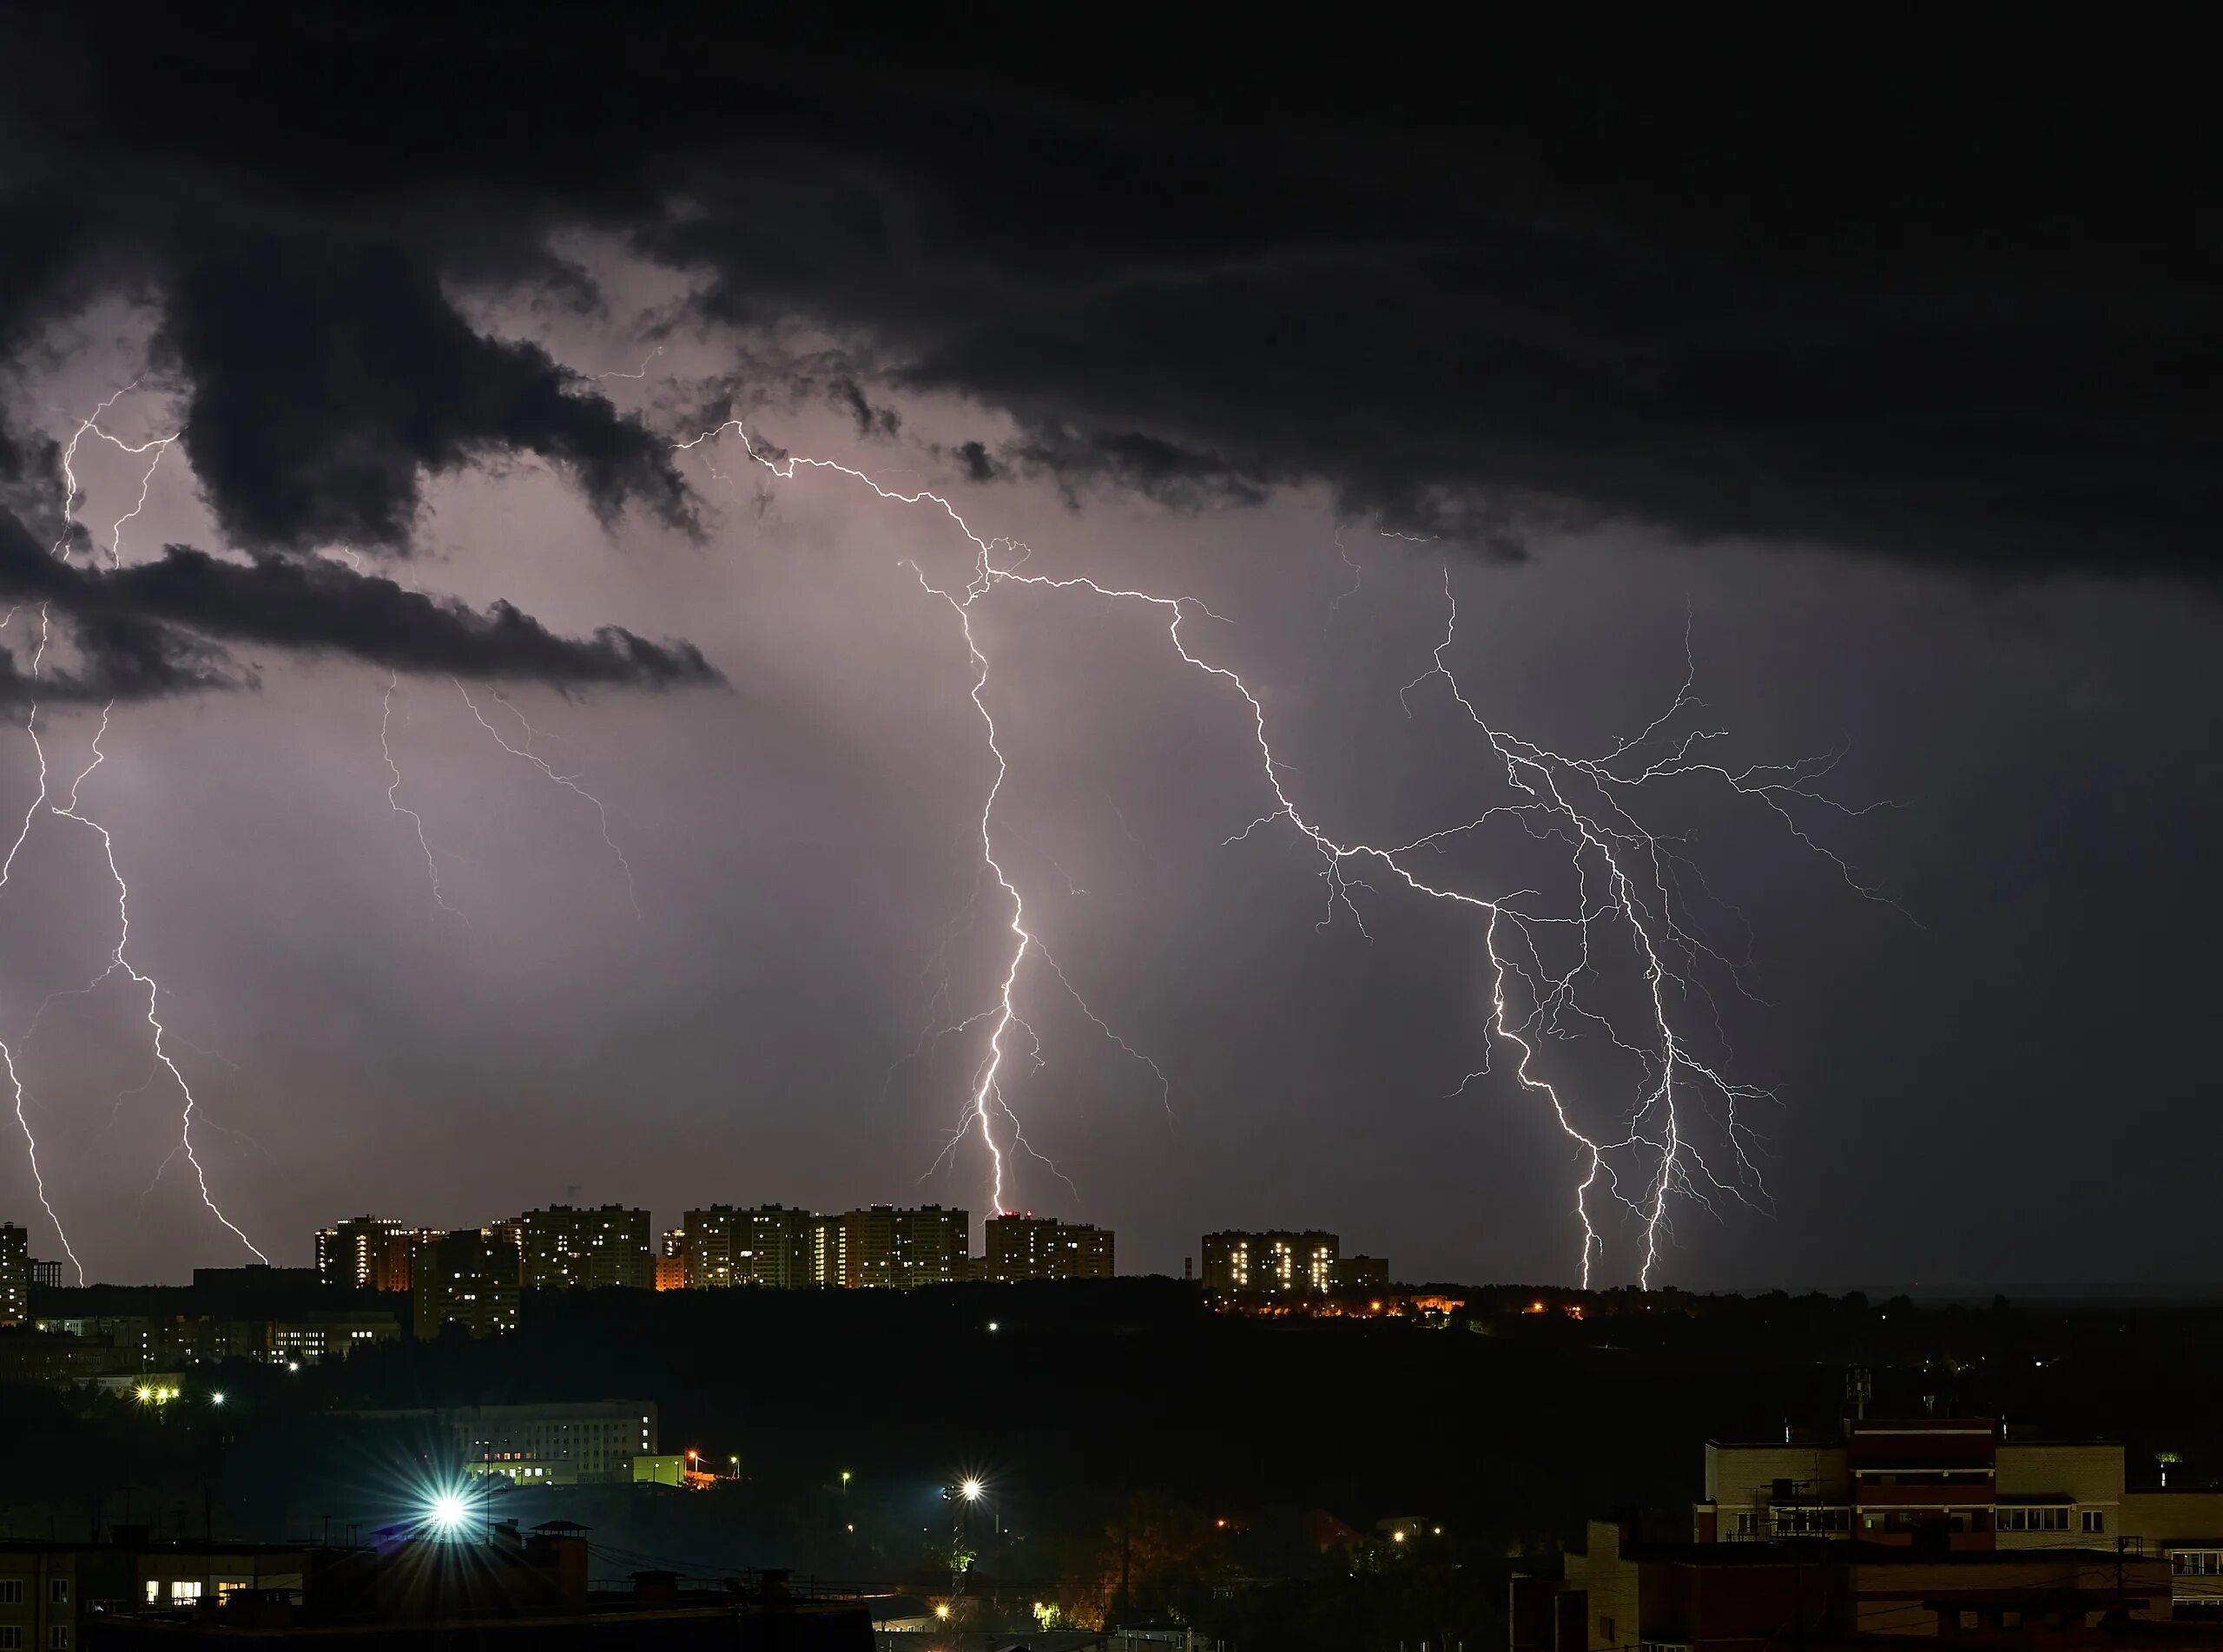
column 1606, row 1630
column 57, row 1592
column 58, row 1636
column 2095, row 1520
column 185, row 1590
column 2196, row 1563
column 11, row 1591
column 154, row 1591
column 11, row 1637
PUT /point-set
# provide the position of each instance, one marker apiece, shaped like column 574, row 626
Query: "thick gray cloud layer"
column 1873, row 295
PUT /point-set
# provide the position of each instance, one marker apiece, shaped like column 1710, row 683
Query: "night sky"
column 1880, row 372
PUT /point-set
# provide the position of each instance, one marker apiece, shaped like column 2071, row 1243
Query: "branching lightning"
column 394, row 802
column 1623, row 875
column 566, row 781
column 120, row 958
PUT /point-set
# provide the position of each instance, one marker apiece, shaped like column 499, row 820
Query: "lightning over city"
column 1196, row 644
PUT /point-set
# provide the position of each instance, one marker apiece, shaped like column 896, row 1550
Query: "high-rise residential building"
column 467, row 1278
column 1275, row 1263
column 1360, row 1274
column 367, row 1253
column 1028, row 1246
column 881, row 1246
column 46, row 1276
column 770, row 1244
column 567, row 1250
column 15, row 1274
column 828, row 1251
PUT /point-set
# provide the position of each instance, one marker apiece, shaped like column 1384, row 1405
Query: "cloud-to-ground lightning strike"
column 7, row 870
column 568, row 784
column 118, row 959
column 1583, row 801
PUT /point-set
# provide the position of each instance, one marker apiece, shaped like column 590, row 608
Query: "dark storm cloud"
column 151, row 628
column 1952, row 299
column 325, row 383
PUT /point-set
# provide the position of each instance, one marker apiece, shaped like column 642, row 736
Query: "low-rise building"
column 1960, row 1485
column 1618, row 1594
column 594, row 1442
column 49, row 1591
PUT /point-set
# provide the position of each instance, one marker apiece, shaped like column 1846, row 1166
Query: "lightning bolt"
column 394, row 802
column 118, row 959
column 1621, row 872
column 566, row 781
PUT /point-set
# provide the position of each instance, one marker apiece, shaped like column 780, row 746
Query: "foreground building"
column 1960, row 1485
column 1932, row 1527
column 1028, row 1246
column 498, row 1588
column 1618, row 1594
column 1275, row 1263
column 48, row 1590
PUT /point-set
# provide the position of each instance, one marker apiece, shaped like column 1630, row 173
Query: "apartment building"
column 1958, row 1484
column 720, row 1247
column 368, row 1253
column 1272, row 1263
column 1028, row 1246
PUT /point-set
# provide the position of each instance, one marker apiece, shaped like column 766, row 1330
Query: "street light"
column 449, row 1511
column 971, row 1489
column 217, row 1398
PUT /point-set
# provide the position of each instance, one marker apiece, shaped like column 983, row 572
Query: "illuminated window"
column 154, row 1591
column 186, row 1589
